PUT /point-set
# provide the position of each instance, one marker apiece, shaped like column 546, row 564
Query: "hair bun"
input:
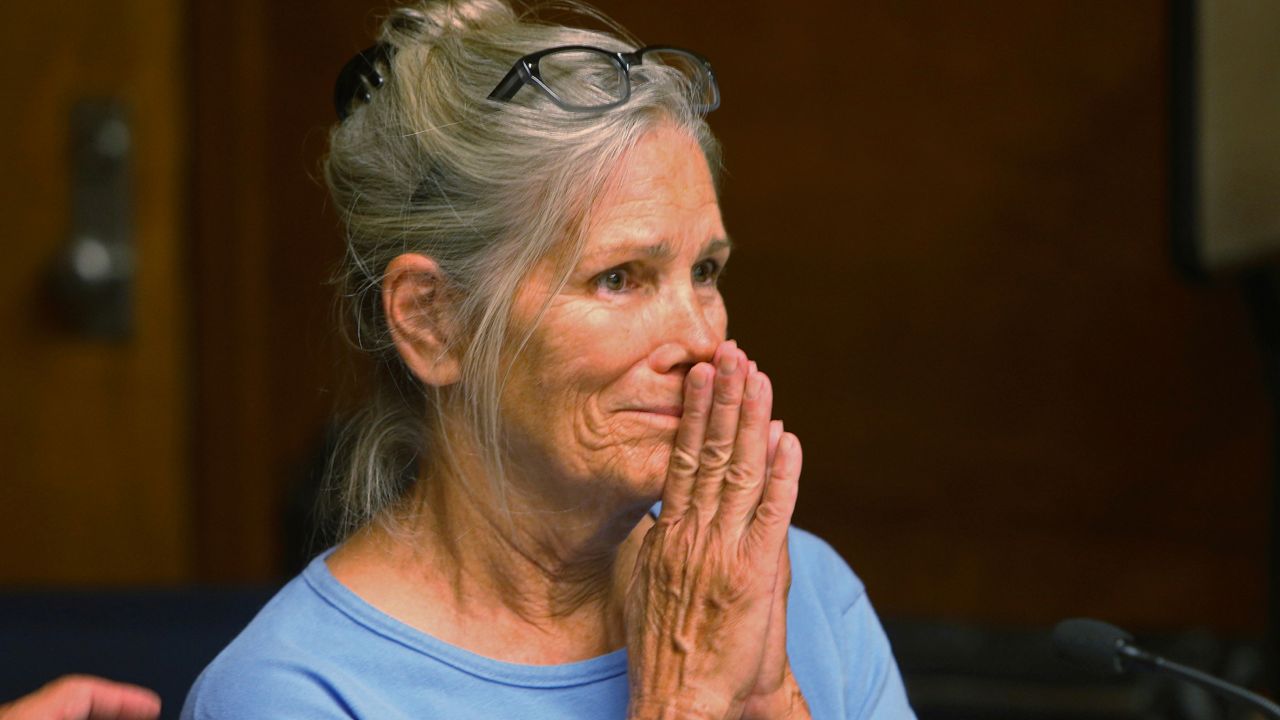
column 428, row 21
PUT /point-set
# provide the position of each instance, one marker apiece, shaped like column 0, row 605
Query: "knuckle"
column 683, row 461
column 741, row 477
column 664, row 525
column 734, row 582
column 715, row 456
column 771, row 513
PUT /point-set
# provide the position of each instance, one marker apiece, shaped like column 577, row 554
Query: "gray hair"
column 487, row 189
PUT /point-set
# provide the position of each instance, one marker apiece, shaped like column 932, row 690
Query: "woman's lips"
column 674, row 411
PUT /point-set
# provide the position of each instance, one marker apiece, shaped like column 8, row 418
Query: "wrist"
column 683, row 708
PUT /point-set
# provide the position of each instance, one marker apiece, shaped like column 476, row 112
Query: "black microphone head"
column 1092, row 643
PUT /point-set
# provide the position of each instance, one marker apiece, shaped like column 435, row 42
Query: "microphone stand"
column 1143, row 660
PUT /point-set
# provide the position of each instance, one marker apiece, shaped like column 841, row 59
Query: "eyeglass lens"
column 702, row 87
column 583, row 78
column 589, row 79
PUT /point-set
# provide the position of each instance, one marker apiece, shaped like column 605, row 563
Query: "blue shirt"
column 316, row 650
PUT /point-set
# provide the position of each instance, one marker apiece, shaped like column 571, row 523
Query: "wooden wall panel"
column 236, row 488
column 93, row 432
column 269, row 362
column 952, row 259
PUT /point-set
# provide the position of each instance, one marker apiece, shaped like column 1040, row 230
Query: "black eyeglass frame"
column 359, row 77
column 526, row 71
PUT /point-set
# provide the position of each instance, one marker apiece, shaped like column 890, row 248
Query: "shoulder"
column 264, row 687
column 274, row 667
column 817, row 567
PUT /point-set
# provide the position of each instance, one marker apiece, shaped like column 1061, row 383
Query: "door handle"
column 93, row 274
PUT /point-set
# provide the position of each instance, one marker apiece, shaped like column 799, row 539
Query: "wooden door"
column 93, row 430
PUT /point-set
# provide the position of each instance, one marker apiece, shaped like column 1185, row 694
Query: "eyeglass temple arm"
column 511, row 82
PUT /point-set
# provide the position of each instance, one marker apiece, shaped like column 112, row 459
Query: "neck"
column 542, row 562
column 471, row 568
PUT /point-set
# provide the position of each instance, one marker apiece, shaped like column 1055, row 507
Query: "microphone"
column 1107, row 648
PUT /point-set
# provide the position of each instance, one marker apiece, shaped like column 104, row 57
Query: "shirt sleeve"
column 264, row 693
column 838, row 649
column 873, row 684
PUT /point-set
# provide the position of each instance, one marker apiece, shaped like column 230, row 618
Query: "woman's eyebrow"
column 661, row 250
column 718, row 244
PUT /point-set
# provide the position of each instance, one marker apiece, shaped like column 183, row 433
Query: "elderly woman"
column 534, row 248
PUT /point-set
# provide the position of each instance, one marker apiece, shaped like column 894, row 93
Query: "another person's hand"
column 82, row 697
column 706, row 614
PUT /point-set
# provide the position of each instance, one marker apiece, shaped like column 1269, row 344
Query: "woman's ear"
column 416, row 303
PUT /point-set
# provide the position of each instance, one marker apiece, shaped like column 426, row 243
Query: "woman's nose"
column 689, row 332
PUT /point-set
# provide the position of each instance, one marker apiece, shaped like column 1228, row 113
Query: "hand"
column 776, row 694
column 704, row 623
column 81, row 697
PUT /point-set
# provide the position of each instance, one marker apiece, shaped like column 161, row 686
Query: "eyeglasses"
column 581, row 78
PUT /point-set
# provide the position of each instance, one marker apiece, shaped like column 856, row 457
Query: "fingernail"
column 729, row 363
column 751, row 367
column 793, row 451
column 754, row 385
column 724, row 348
column 697, row 378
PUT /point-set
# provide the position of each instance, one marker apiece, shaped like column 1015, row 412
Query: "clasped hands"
column 707, row 607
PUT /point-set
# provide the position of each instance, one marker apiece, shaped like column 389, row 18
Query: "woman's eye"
column 612, row 280
column 706, row 272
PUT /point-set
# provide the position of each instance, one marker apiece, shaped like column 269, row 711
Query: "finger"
column 682, row 467
column 783, row 586
column 744, row 481
column 722, row 430
column 774, row 665
column 773, row 514
column 686, row 453
column 775, row 434
column 723, row 348
column 114, row 701
column 82, row 697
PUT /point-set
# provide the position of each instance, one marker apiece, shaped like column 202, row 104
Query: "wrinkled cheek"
column 651, row 450
column 657, row 457
column 631, row 453
column 593, row 430
column 652, row 474
column 641, row 467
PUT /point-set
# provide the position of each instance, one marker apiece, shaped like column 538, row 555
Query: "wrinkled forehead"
column 660, row 194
